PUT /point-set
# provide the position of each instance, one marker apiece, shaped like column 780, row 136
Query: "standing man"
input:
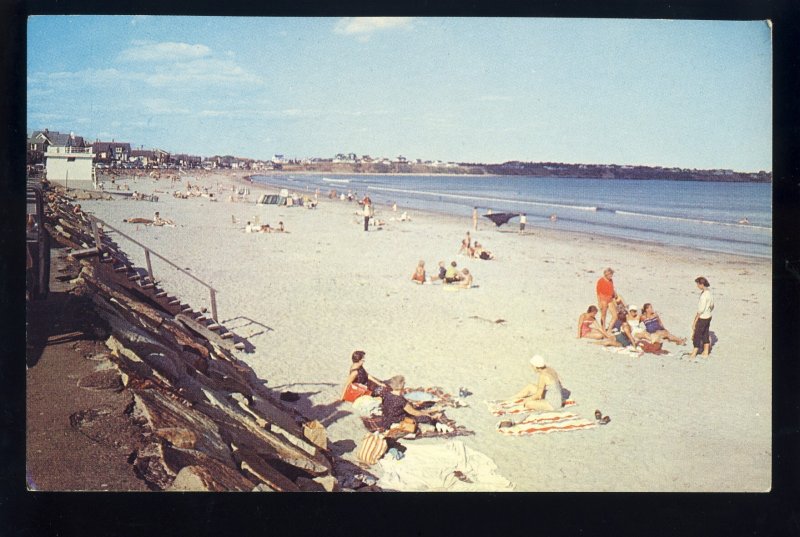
column 522, row 221
column 702, row 319
column 367, row 212
column 475, row 219
column 606, row 294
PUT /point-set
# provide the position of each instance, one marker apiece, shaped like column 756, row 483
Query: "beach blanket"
column 373, row 424
column 546, row 422
column 633, row 352
column 448, row 467
column 440, row 397
column 516, row 406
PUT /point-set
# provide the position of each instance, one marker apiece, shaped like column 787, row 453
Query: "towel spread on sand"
column 547, row 422
column 440, row 397
column 515, row 406
column 633, row 352
column 448, row 467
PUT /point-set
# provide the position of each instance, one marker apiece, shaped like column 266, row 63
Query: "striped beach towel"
column 516, row 406
column 547, row 422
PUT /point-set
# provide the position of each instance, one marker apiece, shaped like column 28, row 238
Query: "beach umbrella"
column 500, row 218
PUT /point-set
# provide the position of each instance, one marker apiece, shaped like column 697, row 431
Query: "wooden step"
column 120, row 268
column 147, row 285
column 161, row 294
column 227, row 335
column 174, row 302
column 134, row 277
column 186, row 309
column 214, row 326
column 239, row 346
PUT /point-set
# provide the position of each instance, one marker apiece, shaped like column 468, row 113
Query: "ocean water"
column 690, row 214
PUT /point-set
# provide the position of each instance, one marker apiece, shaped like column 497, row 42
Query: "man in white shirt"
column 702, row 319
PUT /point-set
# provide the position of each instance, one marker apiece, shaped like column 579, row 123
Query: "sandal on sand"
column 598, row 415
column 605, row 420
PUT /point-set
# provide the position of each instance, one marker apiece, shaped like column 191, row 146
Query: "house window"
column 70, row 159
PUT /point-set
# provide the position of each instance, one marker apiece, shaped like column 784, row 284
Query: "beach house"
column 111, row 153
column 68, row 161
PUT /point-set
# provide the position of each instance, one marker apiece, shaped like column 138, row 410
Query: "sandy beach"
column 308, row 298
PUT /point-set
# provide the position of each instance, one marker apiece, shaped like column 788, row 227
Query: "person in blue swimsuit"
column 652, row 322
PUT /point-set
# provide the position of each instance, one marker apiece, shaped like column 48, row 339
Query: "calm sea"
column 692, row 214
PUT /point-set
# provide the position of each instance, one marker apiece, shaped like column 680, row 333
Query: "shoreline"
column 532, row 224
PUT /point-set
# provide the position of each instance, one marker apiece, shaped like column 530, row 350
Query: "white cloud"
column 136, row 19
column 164, row 52
column 364, row 27
column 202, row 72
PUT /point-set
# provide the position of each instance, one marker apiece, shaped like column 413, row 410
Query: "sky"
column 688, row 94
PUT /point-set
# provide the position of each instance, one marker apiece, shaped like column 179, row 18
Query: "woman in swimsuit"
column 589, row 327
column 547, row 394
column 359, row 374
column 419, row 273
column 655, row 327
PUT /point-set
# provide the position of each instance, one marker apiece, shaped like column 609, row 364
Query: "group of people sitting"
column 630, row 328
column 474, row 249
column 394, row 408
column 447, row 275
column 264, row 228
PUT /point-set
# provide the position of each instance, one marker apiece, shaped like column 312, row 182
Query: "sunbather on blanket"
column 547, row 394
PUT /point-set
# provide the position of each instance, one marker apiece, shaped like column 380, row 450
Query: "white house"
column 70, row 165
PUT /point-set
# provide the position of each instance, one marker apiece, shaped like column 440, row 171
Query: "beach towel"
column 440, row 397
column 447, row 467
column 547, row 422
column 516, row 406
column 633, row 352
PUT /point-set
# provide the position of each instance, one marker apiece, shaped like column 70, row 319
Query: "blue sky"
column 691, row 94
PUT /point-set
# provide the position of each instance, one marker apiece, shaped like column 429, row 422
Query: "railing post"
column 213, row 304
column 149, row 266
column 96, row 231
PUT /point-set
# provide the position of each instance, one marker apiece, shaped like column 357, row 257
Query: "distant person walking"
column 606, row 294
column 701, row 337
column 475, row 219
column 522, row 221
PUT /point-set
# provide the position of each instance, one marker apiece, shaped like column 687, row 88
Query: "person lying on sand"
column 547, row 394
column 265, row 229
column 589, row 327
column 359, row 375
column 395, row 407
column 137, row 220
column 480, row 252
column 655, row 327
column 419, row 273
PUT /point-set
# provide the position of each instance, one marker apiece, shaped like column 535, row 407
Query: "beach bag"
column 652, row 348
column 372, row 448
column 354, row 391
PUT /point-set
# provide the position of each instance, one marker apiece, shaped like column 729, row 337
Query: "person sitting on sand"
column 248, row 228
column 395, row 407
column 265, row 229
column 281, row 229
column 622, row 332
column 465, row 281
column 419, row 273
column 451, row 274
column 589, row 327
column 655, row 327
column 404, row 217
column 440, row 274
column 547, row 394
column 359, row 375
column 77, row 209
column 158, row 221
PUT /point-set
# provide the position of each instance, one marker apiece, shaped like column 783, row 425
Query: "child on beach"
column 419, row 273
column 441, row 274
column 465, row 280
column 466, row 245
column 451, row 274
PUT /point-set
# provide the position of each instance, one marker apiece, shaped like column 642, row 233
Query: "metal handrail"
column 147, row 252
